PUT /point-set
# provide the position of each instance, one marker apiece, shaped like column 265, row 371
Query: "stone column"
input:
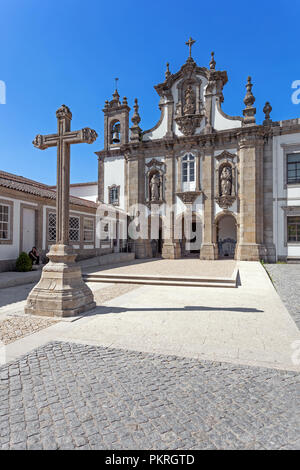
column 250, row 244
column 268, row 200
column 171, row 246
column 209, row 247
column 101, row 178
column 136, row 187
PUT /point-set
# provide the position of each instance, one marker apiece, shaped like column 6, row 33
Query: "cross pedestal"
column 61, row 291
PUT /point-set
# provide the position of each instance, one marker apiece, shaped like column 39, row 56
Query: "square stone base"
column 250, row 252
column 61, row 291
column 209, row 251
column 142, row 249
column 171, row 250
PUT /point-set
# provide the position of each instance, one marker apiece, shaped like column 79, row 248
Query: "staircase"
column 158, row 280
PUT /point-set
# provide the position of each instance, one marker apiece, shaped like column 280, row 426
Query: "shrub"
column 23, row 263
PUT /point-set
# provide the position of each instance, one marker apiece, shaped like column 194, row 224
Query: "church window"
column 293, row 229
column 188, row 168
column 88, row 230
column 293, row 168
column 4, row 222
column 113, row 192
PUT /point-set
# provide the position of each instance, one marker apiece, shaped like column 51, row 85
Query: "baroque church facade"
column 239, row 181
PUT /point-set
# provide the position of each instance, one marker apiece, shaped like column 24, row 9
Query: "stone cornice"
column 220, row 139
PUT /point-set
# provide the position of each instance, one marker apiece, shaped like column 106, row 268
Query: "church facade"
column 236, row 182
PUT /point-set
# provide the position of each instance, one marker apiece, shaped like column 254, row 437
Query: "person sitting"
column 33, row 255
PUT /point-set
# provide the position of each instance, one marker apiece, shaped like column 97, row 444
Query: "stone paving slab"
column 70, row 396
column 174, row 267
column 286, row 278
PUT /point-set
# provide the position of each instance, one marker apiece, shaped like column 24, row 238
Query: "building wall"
column 10, row 249
column 286, row 198
column 89, row 192
column 114, row 173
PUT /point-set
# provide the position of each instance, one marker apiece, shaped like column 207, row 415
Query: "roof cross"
column 190, row 43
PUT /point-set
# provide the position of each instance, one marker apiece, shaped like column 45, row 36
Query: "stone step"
column 162, row 280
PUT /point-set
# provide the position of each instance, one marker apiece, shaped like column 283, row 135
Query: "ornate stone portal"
column 61, row 291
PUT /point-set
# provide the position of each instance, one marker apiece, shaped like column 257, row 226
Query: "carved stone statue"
column 226, row 181
column 190, row 102
column 155, row 187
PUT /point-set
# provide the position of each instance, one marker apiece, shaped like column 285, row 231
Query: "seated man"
column 33, row 255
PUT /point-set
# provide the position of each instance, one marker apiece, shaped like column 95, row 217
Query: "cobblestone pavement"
column 70, row 396
column 16, row 327
column 286, row 278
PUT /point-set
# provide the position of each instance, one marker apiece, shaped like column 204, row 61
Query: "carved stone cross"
column 61, row 290
column 190, row 43
column 62, row 140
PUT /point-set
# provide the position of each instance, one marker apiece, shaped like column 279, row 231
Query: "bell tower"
column 116, row 121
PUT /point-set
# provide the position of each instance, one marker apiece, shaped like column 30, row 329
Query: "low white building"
column 28, row 218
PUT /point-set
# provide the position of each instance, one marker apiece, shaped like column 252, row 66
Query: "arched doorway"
column 226, row 236
column 155, row 234
column 189, row 233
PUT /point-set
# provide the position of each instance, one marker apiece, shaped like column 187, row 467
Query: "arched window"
column 188, row 168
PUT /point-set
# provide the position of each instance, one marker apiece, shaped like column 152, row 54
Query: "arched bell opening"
column 115, row 132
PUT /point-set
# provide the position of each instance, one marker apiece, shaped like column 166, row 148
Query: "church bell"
column 116, row 137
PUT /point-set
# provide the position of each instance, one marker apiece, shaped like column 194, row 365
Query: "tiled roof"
column 25, row 185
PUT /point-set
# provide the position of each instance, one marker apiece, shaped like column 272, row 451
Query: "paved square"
column 66, row 396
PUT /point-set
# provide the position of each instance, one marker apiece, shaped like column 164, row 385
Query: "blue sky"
column 69, row 51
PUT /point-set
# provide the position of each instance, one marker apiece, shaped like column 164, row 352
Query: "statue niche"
column 226, row 181
column 188, row 111
column 154, row 186
column 190, row 101
column 226, row 184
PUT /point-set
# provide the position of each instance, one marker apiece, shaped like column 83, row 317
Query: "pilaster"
column 250, row 244
column 208, row 248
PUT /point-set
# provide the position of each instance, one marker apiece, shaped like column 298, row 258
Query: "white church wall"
column 160, row 130
column 114, row 173
column 284, row 195
column 220, row 120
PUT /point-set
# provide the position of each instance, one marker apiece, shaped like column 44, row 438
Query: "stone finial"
column 125, row 103
column 249, row 111
column 135, row 129
column 267, row 110
column 136, row 117
column 167, row 73
column 63, row 111
column 116, row 96
column 212, row 64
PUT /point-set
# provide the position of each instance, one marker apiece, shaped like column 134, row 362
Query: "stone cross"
column 62, row 140
column 189, row 43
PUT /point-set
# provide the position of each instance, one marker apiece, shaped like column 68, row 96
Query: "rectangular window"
column 52, row 227
column 88, row 230
column 293, row 168
column 184, row 172
column 74, row 228
column 4, row 222
column 192, row 171
column 293, row 229
column 113, row 195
